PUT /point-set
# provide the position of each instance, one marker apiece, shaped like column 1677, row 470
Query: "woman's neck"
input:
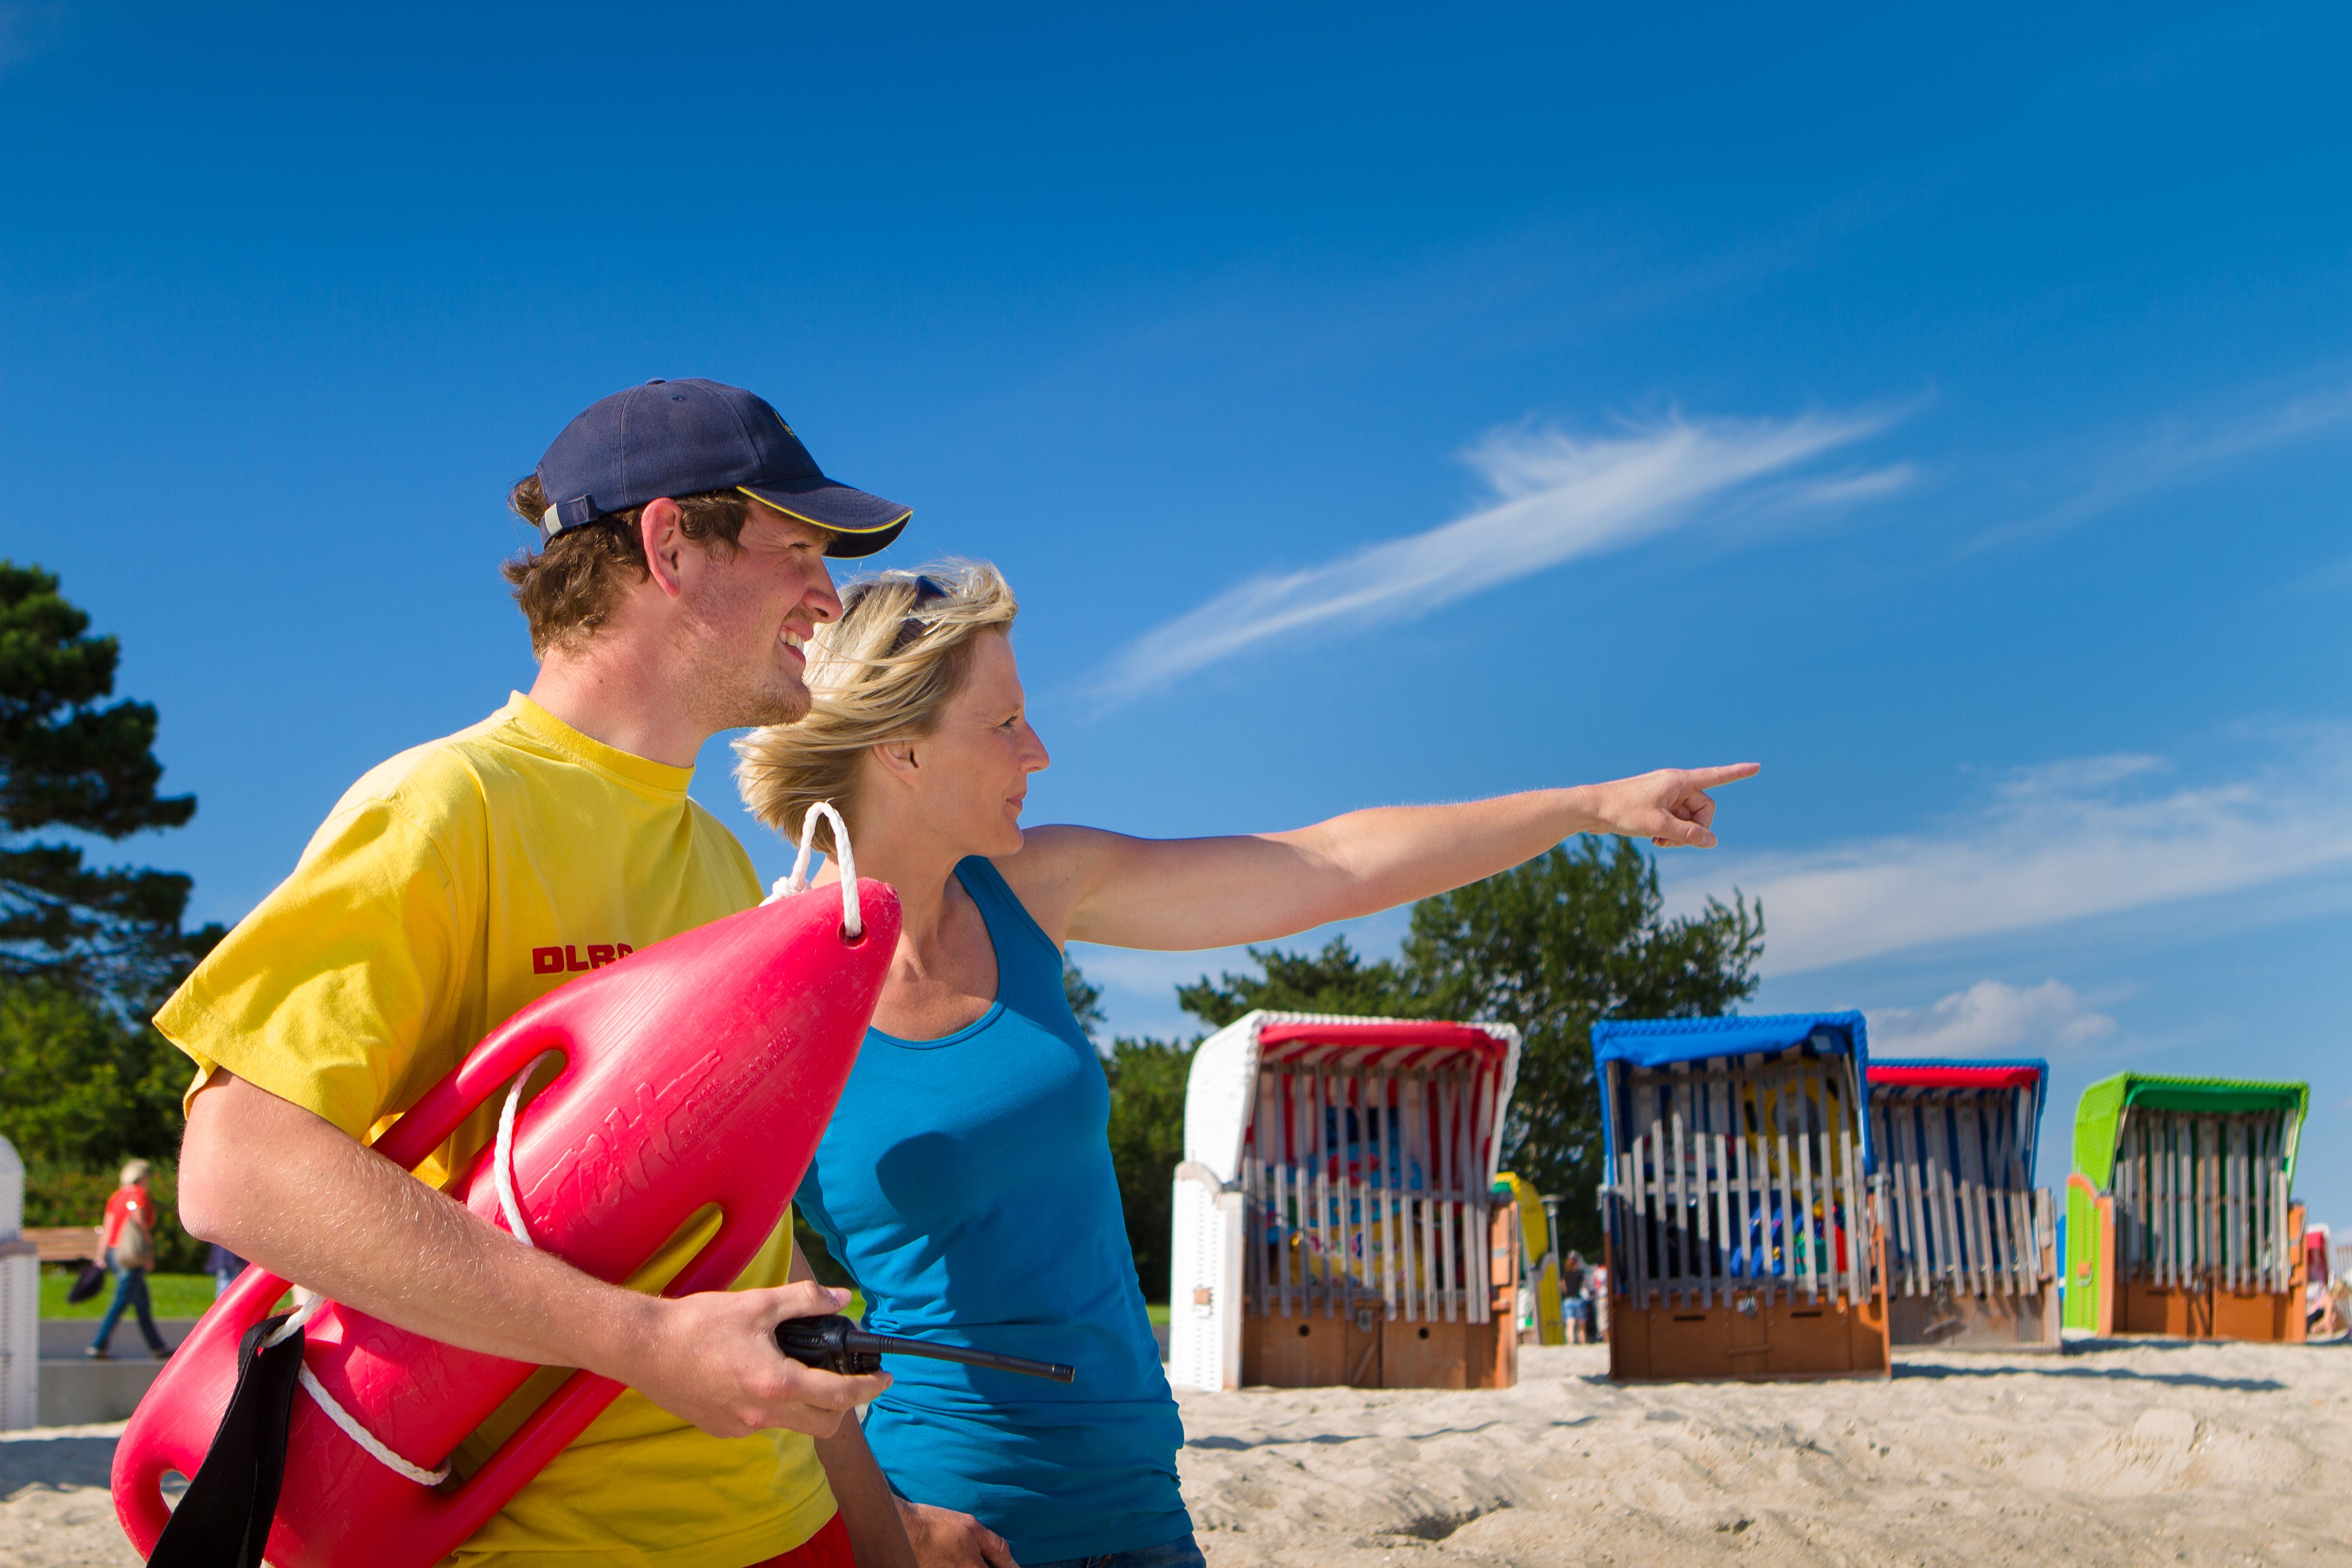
column 922, row 888
column 943, row 975
column 919, row 866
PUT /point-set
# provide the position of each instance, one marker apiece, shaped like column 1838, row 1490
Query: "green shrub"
column 82, row 1087
column 1147, row 1139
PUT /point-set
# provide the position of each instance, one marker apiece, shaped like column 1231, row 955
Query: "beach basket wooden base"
column 1359, row 1346
column 1751, row 1340
column 2210, row 1313
column 1957, row 1323
column 1366, row 1352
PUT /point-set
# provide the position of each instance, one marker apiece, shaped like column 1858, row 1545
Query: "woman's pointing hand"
column 1671, row 807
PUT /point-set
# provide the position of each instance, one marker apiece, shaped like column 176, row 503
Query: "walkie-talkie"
column 833, row 1343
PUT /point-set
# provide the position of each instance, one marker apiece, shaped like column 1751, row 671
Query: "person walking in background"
column 126, row 1238
column 224, row 1266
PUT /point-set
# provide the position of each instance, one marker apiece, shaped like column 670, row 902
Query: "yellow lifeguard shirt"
column 450, row 887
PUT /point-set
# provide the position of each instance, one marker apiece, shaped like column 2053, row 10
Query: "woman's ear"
column 899, row 759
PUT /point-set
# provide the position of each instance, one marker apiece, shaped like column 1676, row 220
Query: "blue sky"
column 1950, row 414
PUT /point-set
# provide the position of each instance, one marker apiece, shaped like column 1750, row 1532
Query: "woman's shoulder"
column 1053, row 864
column 1001, row 899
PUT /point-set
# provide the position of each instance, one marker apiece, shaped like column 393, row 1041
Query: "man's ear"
column 661, row 530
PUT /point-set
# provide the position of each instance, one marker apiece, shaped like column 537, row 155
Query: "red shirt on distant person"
column 126, row 1202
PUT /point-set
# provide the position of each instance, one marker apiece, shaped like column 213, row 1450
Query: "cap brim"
column 860, row 523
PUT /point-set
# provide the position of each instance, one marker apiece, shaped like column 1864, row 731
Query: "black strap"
column 223, row 1521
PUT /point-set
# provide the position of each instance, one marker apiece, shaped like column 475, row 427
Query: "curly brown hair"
column 566, row 590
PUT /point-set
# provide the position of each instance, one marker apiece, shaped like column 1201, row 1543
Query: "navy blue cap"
column 684, row 437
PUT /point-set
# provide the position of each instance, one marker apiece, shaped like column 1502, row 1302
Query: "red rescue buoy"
column 698, row 1071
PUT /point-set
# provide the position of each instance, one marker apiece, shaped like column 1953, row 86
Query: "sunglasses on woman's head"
column 926, row 592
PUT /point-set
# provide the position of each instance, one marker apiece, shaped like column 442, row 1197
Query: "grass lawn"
column 187, row 1296
column 174, row 1295
column 1159, row 1311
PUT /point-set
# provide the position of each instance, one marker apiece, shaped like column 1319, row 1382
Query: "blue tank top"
column 966, row 1184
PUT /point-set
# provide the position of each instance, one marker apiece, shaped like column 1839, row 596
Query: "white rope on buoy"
column 367, row 1439
column 502, row 1175
column 336, row 1413
column 502, row 1162
column 306, row 1310
column 853, row 922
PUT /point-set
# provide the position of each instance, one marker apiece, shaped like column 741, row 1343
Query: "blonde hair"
column 135, row 1172
column 885, row 669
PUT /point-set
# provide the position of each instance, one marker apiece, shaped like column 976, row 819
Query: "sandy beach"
column 2146, row 1453
column 2141, row 1454
column 54, row 1506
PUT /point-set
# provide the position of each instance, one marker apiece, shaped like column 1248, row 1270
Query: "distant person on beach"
column 965, row 1182
column 126, row 1240
column 683, row 536
column 224, row 1266
column 1574, row 1304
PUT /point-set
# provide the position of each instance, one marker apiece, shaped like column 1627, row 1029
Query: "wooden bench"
column 64, row 1243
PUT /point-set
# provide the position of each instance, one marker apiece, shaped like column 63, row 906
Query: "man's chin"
column 769, row 708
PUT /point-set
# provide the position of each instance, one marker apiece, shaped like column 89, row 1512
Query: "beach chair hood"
column 1222, row 1086
column 2099, row 1115
column 1662, row 1042
column 2031, row 1074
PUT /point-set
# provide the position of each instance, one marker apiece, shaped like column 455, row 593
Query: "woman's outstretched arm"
column 1082, row 884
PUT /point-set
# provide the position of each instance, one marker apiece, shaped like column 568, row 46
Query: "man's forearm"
column 278, row 1185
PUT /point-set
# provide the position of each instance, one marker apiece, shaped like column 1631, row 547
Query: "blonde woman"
column 966, row 1179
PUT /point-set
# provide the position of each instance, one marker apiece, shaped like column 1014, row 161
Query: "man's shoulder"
column 435, row 786
column 448, row 783
column 725, row 856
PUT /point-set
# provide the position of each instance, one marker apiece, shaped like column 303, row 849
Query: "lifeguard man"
column 685, row 532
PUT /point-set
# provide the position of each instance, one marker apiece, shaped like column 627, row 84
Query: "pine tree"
column 70, row 760
column 1084, row 997
column 1333, row 981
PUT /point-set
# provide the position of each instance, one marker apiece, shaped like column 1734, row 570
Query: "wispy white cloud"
column 1557, row 496
column 2088, row 837
column 2184, row 448
column 1837, row 490
column 1989, row 1018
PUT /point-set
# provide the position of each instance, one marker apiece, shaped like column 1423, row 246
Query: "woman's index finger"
column 1708, row 778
